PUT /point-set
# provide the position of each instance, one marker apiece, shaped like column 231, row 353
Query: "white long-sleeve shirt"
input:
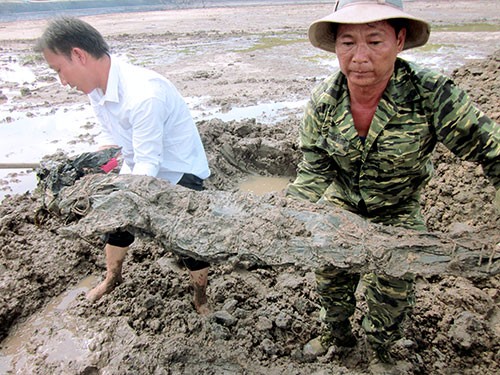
column 143, row 113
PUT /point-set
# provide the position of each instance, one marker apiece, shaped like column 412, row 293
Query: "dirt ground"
column 234, row 57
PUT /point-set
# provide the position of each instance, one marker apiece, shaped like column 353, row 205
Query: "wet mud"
column 262, row 317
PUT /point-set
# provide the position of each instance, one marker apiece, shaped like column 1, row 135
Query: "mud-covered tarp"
column 58, row 171
column 269, row 230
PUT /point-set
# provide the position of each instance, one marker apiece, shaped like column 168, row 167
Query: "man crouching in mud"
column 367, row 138
column 139, row 111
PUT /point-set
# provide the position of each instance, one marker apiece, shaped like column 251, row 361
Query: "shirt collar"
column 112, row 87
column 401, row 90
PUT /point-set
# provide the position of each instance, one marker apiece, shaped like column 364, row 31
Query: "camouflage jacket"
column 382, row 178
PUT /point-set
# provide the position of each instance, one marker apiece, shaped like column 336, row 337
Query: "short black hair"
column 65, row 33
column 398, row 24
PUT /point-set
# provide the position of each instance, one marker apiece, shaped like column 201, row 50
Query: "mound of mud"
column 261, row 318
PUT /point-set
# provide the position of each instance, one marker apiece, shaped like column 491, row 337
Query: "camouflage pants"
column 389, row 300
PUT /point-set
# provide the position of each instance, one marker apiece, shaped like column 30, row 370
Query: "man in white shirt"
column 139, row 111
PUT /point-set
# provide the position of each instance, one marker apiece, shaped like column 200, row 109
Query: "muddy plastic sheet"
column 269, row 230
column 54, row 174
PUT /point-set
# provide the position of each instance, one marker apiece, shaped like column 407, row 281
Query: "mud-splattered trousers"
column 382, row 177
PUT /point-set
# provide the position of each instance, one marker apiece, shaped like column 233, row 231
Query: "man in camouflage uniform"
column 367, row 139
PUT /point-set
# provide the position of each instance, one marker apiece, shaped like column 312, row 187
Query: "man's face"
column 367, row 52
column 71, row 71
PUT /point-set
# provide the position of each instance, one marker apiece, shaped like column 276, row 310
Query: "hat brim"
column 321, row 32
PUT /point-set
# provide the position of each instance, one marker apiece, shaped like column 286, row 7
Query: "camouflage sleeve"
column 465, row 130
column 314, row 172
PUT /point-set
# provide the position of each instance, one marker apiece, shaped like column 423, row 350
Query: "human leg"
column 116, row 248
column 114, row 261
column 336, row 289
column 389, row 301
column 198, row 270
column 198, row 273
column 199, row 281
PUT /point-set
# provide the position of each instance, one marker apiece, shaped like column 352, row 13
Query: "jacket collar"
column 399, row 94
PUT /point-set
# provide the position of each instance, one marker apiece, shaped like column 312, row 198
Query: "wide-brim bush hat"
column 322, row 32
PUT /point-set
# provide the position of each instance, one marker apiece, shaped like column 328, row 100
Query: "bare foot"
column 103, row 288
column 203, row 310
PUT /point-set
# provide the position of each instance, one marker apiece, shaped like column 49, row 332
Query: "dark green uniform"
column 381, row 177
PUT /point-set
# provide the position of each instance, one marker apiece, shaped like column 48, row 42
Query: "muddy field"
column 231, row 58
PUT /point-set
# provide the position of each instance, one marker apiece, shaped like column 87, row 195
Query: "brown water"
column 261, row 184
column 65, row 345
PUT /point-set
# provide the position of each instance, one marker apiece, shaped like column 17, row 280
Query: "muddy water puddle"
column 15, row 72
column 29, row 139
column 63, row 346
column 260, row 185
column 264, row 113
